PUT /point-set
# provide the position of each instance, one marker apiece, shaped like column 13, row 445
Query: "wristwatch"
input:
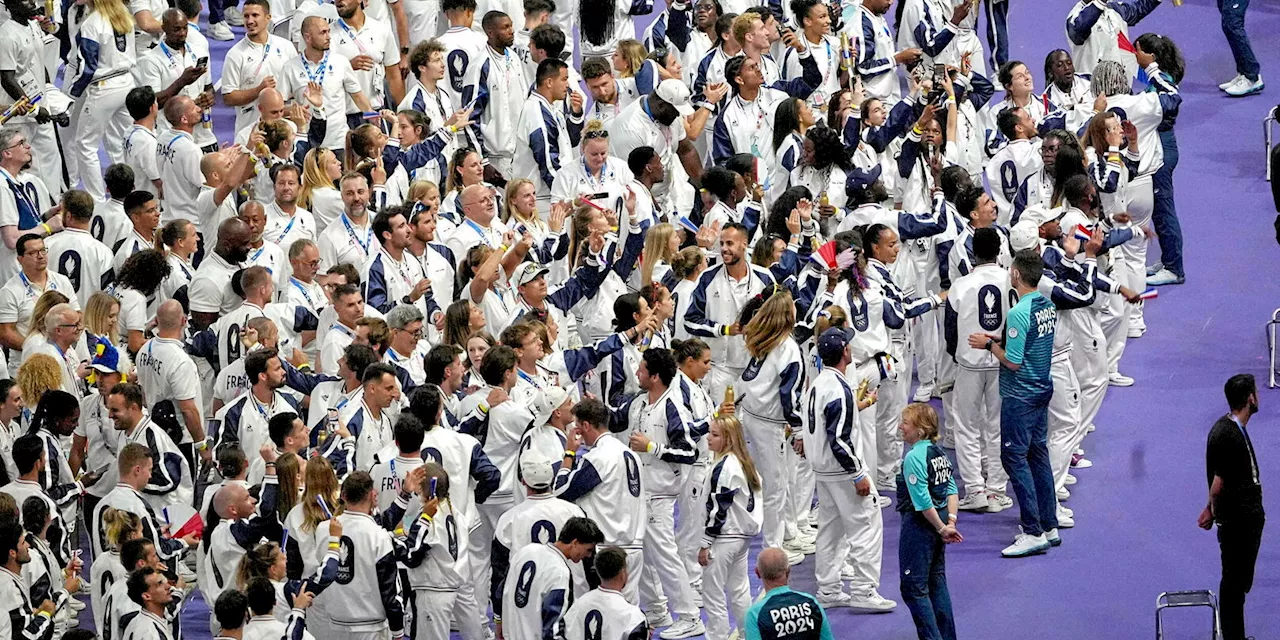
column 990, row 343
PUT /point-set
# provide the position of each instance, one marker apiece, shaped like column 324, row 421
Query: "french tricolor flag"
column 688, row 224
column 1082, row 233
column 1149, row 294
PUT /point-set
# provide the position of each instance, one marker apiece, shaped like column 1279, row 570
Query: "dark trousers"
column 217, row 10
column 1239, row 541
column 923, row 581
column 1233, row 28
column 1165, row 215
column 1024, row 453
column 997, row 33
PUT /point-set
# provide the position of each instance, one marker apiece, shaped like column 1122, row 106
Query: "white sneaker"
column 1080, row 462
column 1052, row 536
column 1234, row 81
column 974, row 502
column 683, row 628
column 736, row 635
column 806, row 533
column 659, row 619
column 1246, row 87
column 1091, row 428
column 1164, row 277
column 1117, row 379
column 1137, row 331
column 234, row 17
column 220, row 31
column 997, row 502
column 883, row 501
column 1064, row 494
column 1066, row 517
column 1070, row 480
column 75, row 605
column 833, row 600
column 872, row 603
column 798, row 545
column 923, row 393
column 1025, row 545
column 793, row 557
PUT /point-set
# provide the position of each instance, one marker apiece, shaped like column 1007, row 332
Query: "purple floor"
column 1136, row 508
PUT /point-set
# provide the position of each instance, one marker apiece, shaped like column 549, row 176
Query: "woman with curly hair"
column 38, row 374
column 135, row 288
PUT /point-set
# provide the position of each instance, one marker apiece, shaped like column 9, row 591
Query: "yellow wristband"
column 650, row 448
column 504, row 248
column 48, row 231
column 916, row 130
column 570, row 454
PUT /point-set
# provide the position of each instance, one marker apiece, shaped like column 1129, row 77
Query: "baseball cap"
column 536, row 469
column 1025, row 234
column 107, row 358
column 403, row 315
column 677, row 94
column 546, row 404
column 833, row 341
column 858, row 180
column 528, row 272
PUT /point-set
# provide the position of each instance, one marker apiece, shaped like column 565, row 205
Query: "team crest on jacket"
column 858, row 309
column 990, row 315
column 346, row 561
column 752, row 370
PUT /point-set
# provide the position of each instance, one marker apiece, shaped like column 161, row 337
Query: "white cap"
column 1024, row 235
column 528, row 272
column 677, row 94
column 536, row 469
column 545, row 403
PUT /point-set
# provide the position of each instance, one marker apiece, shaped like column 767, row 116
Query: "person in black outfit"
column 1235, row 501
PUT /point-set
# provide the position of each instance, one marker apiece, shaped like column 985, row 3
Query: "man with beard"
column 332, row 71
column 245, row 421
column 170, row 482
column 174, row 69
column 610, row 95
column 392, row 276
column 499, row 91
column 371, row 46
column 180, row 160
column 211, row 293
column 1235, row 500
column 349, row 240
column 22, row 70
column 13, row 592
column 437, row 259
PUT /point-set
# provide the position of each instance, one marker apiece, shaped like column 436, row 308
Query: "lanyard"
column 287, row 228
column 606, row 174
column 351, row 232
column 484, row 237
column 31, row 291
column 19, row 191
column 266, row 51
column 1253, row 463
column 755, row 132
column 258, row 253
column 360, row 45
column 303, row 291
column 321, row 69
column 168, row 53
column 528, row 378
column 262, row 411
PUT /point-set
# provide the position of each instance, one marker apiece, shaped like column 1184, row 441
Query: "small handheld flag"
column 1149, row 294
column 1123, row 42
column 324, row 507
column 284, row 541
column 1082, row 233
column 688, row 224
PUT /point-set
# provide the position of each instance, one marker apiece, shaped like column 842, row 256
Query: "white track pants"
column 977, row 432
column 850, row 530
column 925, row 346
column 766, row 443
column 726, row 579
column 1142, row 203
column 103, row 121
column 1089, row 358
column 433, row 614
column 689, row 527
column 664, row 574
column 893, row 399
column 1064, row 418
column 865, row 441
column 480, row 546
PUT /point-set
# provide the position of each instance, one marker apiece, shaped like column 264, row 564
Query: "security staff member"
column 1235, row 501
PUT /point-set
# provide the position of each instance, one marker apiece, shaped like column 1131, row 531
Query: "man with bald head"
column 166, row 372
column 210, row 292
column 241, row 526
column 332, row 72
column 262, row 253
column 478, row 205
column 173, row 69
column 799, row 611
column 179, row 159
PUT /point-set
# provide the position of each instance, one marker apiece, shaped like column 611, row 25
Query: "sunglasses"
column 597, row 133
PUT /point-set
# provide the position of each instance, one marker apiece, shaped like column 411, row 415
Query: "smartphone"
column 939, row 74
column 202, row 61
column 603, row 195
column 101, row 470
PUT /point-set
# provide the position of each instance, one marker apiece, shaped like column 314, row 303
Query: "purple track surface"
column 1136, row 509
